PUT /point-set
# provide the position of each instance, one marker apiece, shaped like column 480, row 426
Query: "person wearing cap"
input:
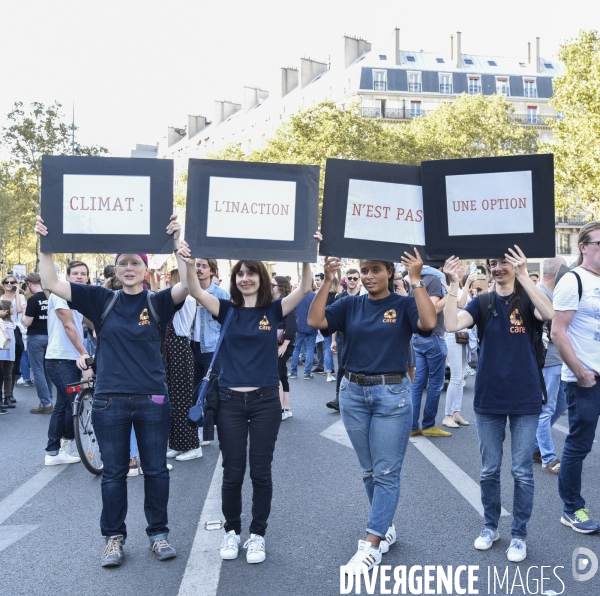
column 130, row 389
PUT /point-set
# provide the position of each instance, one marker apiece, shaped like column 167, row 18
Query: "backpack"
column 487, row 309
column 109, row 304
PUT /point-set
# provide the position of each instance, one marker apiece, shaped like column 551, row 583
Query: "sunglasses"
column 8, row 282
column 352, row 278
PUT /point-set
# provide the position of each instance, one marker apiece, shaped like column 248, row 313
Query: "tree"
column 31, row 135
column 576, row 134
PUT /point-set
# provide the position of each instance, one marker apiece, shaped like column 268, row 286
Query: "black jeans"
column 61, row 373
column 258, row 414
column 282, row 367
column 202, row 362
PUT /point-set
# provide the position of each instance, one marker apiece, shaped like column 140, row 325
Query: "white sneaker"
column 204, row 443
column 283, row 414
column 288, row 413
column 331, row 379
column 201, row 437
column 255, row 546
column 191, row 454
column 230, row 546
column 517, row 551
column 366, row 557
column 61, row 458
column 135, row 471
column 172, row 453
column 486, row 539
column 390, row 538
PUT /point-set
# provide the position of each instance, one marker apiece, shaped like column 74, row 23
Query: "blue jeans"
column 491, row 431
column 113, row 416
column 25, row 372
column 551, row 412
column 328, row 354
column 301, row 338
column 430, row 353
column 320, row 354
column 133, row 448
column 584, row 409
column 36, row 346
column 62, row 373
column 377, row 419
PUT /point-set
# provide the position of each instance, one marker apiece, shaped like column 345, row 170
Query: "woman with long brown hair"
column 286, row 338
column 249, row 403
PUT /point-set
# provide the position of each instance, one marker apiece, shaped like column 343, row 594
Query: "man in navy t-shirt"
column 305, row 334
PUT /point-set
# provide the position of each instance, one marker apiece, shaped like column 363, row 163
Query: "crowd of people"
column 395, row 328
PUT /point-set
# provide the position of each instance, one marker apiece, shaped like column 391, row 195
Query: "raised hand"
column 174, row 227
column 40, row 229
column 518, row 260
column 332, row 264
column 450, row 269
column 184, row 253
column 414, row 264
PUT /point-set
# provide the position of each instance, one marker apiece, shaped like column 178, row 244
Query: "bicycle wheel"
column 85, row 438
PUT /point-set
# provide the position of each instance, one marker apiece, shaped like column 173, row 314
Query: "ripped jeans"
column 378, row 419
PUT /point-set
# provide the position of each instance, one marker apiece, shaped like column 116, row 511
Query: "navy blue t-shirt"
column 377, row 333
column 129, row 359
column 249, row 350
column 508, row 380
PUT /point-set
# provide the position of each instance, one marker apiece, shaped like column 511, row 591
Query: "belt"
column 362, row 380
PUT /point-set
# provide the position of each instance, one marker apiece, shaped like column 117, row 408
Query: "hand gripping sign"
column 106, row 204
column 245, row 210
column 476, row 208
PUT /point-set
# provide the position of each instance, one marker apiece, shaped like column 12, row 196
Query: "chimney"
column 452, row 47
column 195, row 125
column 252, row 97
column 458, row 51
column 537, row 55
column 354, row 48
column 397, row 46
column 174, row 135
column 224, row 109
column 528, row 52
column 309, row 69
column 289, row 80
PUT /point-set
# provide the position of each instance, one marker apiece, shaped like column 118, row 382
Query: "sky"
column 132, row 67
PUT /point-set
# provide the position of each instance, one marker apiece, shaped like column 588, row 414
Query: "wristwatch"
column 419, row 284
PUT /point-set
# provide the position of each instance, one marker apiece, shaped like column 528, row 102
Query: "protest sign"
column 477, row 208
column 243, row 210
column 106, row 204
column 372, row 210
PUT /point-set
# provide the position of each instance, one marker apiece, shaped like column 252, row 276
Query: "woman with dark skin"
column 375, row 400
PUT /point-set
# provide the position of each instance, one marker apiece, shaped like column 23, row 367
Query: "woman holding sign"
column 131, row 388
column 248, row 392
column 375, row 400
column 507, row 386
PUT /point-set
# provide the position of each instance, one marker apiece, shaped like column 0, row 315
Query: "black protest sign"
column 106, row 204
column 247, row 210
column 478, row 208
column 372, row 210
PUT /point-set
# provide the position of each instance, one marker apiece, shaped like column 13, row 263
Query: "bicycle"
column 85, row 438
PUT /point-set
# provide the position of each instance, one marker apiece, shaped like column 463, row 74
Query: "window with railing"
column 415, row 109
column 474, row 85
column 532, row 115
column 379, row 80
column 530, row 88
column 502, row 87
column 563, row 244
column 446, row 84
column 414, row 82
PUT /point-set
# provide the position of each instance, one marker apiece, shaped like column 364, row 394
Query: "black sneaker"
column 3, row 411
column 318, row 369
column 334, row 404
column 163, row 550
column 307, row 377
column 113, row 553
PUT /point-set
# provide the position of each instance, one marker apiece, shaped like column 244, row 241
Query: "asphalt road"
column 50, row 541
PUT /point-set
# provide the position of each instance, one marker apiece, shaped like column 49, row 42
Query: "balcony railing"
column 530, row 92
column 474, row 89
column 445, row 88
column 414, row 87
column 575, row 220
column 563, row 250
column 379, row 86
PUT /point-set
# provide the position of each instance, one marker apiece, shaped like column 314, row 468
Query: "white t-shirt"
column 183, row 321
column 59, row 344
column 584, row 330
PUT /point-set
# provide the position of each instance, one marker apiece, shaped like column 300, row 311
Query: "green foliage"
column 576, row 142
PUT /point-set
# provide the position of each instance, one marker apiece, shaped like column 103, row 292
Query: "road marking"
column 11, row 534
column 201, row 577
column 13, row 502
column 461, row 481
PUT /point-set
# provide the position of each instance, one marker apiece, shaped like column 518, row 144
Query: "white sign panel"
column 251, row 208
column 106, row 204
column 385, row 212
column 498, row 203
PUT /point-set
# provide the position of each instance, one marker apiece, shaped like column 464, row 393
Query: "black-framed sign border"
column 338, row 173
column 160, row 172
column 537, row 244
column 304, row 246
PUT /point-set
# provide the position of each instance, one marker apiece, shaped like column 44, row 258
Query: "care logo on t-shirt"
column 389, row 316
column 144, row 318
column 264, row 324
column 516, row 321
